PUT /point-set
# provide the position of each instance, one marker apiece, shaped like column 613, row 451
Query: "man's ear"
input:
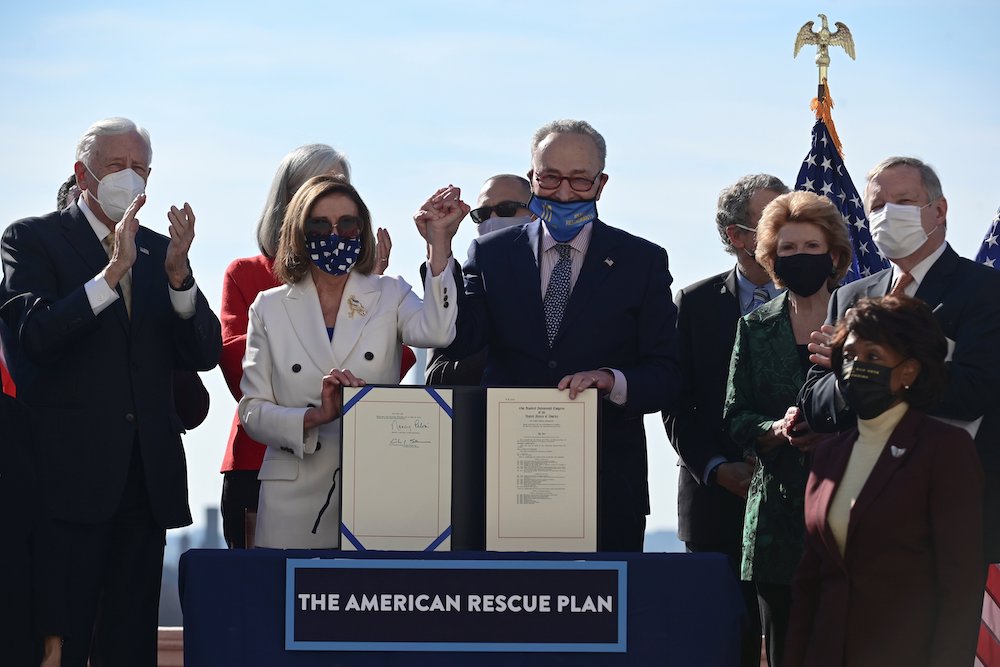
column 81, row 175
column 733, row 234
column 600, row 188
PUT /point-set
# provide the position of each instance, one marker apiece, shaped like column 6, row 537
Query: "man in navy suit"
column 713, row 477
column 907, row 211
column 104, row 312
column 567, row 301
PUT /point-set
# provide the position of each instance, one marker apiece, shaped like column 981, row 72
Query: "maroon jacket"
column 910, row 587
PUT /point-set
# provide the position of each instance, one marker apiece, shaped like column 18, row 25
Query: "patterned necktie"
column 557, row 292
column 126, row 282
column 760, row 297
column 899, row 289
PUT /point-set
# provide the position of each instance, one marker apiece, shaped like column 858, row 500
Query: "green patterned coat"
column 765, row 376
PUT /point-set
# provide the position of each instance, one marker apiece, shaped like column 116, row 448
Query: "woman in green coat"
column 803, row 244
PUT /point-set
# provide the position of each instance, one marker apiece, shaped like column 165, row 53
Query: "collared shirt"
column 101, row 295
column 745, row 288
column 549, row 256
column 919, row 272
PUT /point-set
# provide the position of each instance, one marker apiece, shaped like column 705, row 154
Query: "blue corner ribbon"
column 345, row 531
column 444, row 406
column 440, row 538
column 357, row 397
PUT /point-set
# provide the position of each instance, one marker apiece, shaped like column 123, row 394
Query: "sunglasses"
column 346, row 227
column 505, row 209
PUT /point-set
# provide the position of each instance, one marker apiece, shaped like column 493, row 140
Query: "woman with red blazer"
column 893, row 569
column 244, row 279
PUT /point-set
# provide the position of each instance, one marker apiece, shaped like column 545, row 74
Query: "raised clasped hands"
column 437, row 221
column 602, row 379
column 181, row 236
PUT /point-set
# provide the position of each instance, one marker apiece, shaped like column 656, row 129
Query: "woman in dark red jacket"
column 244, row 280
column 893, row 568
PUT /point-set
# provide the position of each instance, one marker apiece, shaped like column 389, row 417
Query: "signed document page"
column 396, row 483
column 541, row 470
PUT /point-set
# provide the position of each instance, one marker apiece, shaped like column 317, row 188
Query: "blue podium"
column 675, row 609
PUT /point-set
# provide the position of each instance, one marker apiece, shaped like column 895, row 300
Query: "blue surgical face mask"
column 334, row 254
column 564, row 219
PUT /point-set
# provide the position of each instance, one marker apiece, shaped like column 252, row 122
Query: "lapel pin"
column 143, row 250
column 609, row 261
column 354, row 306
column 896, row 451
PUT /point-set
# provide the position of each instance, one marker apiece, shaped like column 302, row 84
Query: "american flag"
column 988, row 648
column 823, row 172
column 989, row 251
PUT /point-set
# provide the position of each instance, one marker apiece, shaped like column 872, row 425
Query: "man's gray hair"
column 106, row 127
column 295, row 169
column 928, row 178
column 734, row 202
column 571, row 127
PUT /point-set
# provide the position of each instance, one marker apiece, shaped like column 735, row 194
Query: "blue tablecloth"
column 683, row 609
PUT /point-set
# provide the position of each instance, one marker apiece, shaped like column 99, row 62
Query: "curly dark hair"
column 907, row 326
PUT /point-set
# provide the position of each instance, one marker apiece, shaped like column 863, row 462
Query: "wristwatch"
column 187, row 283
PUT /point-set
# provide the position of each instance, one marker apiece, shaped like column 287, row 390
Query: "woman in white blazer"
column 333, row 323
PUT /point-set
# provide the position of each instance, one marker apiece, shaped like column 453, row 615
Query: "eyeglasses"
column 347, row 226
column 505, row 209
column 752, row 230
column 577, row 183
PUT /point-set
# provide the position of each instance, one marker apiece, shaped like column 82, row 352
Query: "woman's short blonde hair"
column 291, row 263
column 803, row 206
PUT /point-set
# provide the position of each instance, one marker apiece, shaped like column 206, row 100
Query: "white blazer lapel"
column 357, row 305
column 306, row 320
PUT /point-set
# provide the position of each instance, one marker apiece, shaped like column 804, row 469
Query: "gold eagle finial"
column 823, row 40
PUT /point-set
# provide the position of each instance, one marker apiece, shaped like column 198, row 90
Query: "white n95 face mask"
column 896, row 229
column 117, row 190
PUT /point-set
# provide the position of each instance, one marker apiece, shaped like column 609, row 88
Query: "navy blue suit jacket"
column 619, row 315
column 96, row 385
column 965, row 297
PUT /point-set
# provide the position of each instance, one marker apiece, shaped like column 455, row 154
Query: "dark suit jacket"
column 23, row 528
column 707, row 312
column 619, row 315
column 965, row 297
column 909, row 588
column 99, row 384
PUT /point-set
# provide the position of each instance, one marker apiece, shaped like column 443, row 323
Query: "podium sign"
column 455, row 605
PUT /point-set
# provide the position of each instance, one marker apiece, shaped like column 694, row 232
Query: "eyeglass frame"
column 319, row 227
column 479, row 218
column 590, row 182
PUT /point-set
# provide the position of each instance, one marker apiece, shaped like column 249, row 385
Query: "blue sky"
column 690, row 96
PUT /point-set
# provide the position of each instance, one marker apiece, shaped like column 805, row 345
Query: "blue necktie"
column 557, row 292
column 760, row 297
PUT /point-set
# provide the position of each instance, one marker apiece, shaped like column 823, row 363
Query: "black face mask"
column 803, row 273
column 867, row 387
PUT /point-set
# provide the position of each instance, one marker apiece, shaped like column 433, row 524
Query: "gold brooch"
column 354, row 306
